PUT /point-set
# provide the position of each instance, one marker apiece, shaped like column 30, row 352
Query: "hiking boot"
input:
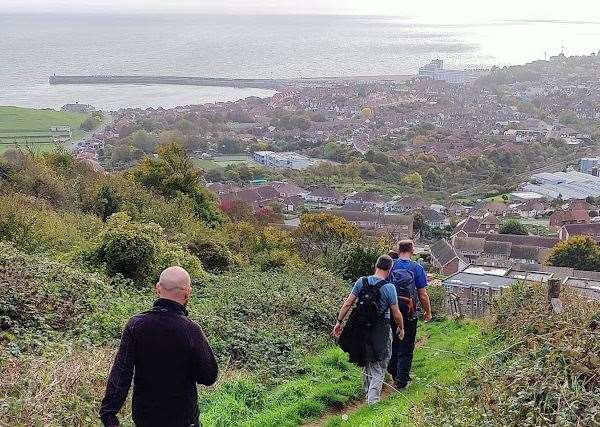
column 401, row 386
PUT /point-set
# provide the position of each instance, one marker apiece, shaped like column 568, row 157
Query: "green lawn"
column 40, row 147
column 221, row 162
column 27, row 119
column 19, row 122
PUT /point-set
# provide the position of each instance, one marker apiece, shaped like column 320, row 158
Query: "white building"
column 435, row 70
column 285, row 160
column 590, row 165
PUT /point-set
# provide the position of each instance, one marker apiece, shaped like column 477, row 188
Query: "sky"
column 424, row 10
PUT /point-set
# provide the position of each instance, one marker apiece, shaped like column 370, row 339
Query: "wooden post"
column 554, row 302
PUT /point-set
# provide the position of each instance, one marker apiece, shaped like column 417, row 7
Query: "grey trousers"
column 374, row 375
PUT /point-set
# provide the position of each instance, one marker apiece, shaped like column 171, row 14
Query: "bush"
column 215, row 257
column 359, row 261
column 437, row 297
column 126, row 248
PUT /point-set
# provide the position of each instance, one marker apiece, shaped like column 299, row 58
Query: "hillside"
column 80, row 251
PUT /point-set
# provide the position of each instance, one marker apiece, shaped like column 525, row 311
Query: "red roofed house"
column 568, row 217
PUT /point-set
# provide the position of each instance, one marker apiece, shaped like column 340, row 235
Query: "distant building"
column 78, row 108
column 590, row 165
column 435, row 70
column 396, row 226
column 564, row 185
column 325, row 195
column 588, row 230
column 286, row 160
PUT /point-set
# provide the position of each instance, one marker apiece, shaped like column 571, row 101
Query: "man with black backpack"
column 410, row 281
column 367, row 336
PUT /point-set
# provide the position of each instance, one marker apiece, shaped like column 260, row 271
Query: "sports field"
column 29, row 128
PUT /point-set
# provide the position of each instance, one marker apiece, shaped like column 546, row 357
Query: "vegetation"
column 512, row 226
column 578, row 252
column 24, row 125
column 80, row 251
column 544, row 370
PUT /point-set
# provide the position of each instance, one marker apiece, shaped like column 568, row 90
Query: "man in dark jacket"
column 166, row 353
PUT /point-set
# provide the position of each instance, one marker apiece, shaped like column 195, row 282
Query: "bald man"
column 166, row 354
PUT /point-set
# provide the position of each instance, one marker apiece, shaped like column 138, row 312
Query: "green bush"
column 215, row 257
column 358, row 261
column 437, row 297
column 126, row 248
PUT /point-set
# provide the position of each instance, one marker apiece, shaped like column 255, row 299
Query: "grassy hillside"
column 80, row 252
column 13, row 119
column 446, row 350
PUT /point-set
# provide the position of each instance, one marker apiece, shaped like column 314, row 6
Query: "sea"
column 32, row 47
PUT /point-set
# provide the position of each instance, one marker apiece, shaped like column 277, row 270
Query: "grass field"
column 221, row 162
column 41, row 147
column 18, row 124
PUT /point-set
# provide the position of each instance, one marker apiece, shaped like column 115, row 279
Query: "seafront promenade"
column 274, row 84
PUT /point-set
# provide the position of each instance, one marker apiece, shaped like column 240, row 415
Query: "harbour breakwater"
column 168, row 80
column 273, row 84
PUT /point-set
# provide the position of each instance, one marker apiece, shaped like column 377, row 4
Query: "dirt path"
column 356, row 405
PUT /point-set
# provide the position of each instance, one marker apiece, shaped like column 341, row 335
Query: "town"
column 447, row 157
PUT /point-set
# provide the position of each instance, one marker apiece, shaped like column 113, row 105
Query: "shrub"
column 215, row 257
column 359, row 261
column 127, row 248
column 437, row 298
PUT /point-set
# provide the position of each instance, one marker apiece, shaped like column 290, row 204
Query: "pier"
column 273, row 84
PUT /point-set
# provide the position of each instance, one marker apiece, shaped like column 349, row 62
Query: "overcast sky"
column 425, row 10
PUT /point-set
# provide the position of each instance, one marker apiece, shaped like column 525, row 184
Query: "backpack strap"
column 380, row 284
column 365, row 281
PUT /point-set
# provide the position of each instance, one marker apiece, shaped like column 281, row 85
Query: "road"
column 108, row 120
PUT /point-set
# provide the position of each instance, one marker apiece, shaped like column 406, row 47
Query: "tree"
column 215, row 256
column 322, row 235
column 579, row 252
column 144, row 141
column 185, row 126
column 90, row 123
column 173, row 173
column 414, row 180
column 512, row 226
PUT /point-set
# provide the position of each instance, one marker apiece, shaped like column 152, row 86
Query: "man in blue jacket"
column 410, row 281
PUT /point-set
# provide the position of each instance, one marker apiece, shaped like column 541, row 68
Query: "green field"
column 40, row 147
column 221, row 162
column 32, row 126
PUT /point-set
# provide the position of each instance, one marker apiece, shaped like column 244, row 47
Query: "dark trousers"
column 402, row 353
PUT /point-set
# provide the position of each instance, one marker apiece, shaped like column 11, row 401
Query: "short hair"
column 405, row 246
column 384, row 262
column 393, row 254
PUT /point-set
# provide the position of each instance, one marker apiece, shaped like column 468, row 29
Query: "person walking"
column 166, row 354
column 410, row 281
column 367, row 336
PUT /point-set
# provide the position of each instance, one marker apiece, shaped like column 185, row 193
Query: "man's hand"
column 400, row 333
column 337, row 330
column 427, row 316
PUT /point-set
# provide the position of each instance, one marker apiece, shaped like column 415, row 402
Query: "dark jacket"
column 166, row 354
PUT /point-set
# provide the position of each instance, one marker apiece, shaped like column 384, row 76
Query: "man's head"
column 405, row 248
column 174, row 284
column 383, row 266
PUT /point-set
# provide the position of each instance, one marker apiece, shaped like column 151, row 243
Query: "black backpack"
column 367, row 311
column 406, row 288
